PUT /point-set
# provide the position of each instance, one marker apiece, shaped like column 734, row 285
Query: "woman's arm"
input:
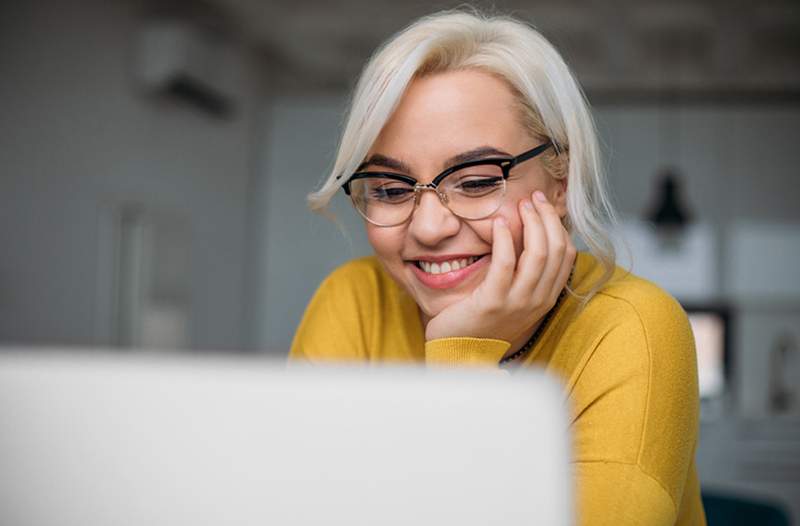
column 636, row 417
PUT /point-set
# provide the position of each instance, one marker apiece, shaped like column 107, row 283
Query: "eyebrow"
column 475, row 154
column 378, row 159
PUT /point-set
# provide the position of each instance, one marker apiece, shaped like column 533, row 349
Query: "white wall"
column 75, row 135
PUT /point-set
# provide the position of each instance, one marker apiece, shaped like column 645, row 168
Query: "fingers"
column 548, row 255
column 534, row 252
column 501, row 268
column 560, row 253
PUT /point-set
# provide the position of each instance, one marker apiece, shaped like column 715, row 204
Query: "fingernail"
column 501, row 221
column 540, row 196
column 527, row 204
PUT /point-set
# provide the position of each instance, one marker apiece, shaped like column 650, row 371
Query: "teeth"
column 447, row 266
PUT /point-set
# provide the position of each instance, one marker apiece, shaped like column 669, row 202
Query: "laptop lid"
column 108, row 439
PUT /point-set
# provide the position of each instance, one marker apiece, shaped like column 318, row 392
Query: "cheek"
column 377, row 239
column 386, row 242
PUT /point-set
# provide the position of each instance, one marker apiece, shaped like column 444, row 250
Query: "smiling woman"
column 471, row 154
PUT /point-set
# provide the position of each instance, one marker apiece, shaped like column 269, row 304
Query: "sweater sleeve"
column 471, row 352
column 618, row 494
column 635, row 421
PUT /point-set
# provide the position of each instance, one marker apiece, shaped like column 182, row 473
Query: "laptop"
column 121, row 439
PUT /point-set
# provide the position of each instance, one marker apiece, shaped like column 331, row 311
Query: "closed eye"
column 391, row 193
column 478, row 186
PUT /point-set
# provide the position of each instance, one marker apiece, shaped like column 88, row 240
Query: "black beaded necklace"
column 540, row 329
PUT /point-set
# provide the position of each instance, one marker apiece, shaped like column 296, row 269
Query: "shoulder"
column 631, row 330
column 642, row 307
column 359, row 267
column 635, row 305
column 338, row 323
column 363, row 289
column 363, row 277
column 649, row 302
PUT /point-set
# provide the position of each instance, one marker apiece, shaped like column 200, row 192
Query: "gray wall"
column 738, row 162
column 297, row 248
column 77, row 136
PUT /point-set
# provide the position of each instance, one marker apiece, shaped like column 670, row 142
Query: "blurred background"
column 155, row 157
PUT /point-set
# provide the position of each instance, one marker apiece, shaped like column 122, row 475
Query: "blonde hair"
column 552, row 103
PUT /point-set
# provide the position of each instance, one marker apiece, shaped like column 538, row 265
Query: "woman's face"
column 442, row 116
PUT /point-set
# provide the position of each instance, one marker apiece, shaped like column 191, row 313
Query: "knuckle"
column 493, row 306
column 517, row 305
column 571, row 248
column 506, row 263
column 539, row 302
column 572, row 252
column 539, row 257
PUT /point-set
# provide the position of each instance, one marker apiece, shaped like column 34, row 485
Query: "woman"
column 471, row 154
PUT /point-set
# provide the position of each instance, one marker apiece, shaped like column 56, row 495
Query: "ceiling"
column 622, row 48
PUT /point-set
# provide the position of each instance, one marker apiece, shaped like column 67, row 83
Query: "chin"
column 432, row 303
column 432, row 300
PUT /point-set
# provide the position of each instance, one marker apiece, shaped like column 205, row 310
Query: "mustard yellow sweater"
column 627, row 360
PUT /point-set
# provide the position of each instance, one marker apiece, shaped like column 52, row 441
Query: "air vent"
column 183, row 62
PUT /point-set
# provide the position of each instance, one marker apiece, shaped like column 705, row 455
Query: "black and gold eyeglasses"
column 471, row 190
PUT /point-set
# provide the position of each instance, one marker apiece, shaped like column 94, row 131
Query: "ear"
column 558, row 196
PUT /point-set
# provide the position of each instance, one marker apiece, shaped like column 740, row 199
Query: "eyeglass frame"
column 505, row 164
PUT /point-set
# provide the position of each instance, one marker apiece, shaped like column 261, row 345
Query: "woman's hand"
column 516, row 294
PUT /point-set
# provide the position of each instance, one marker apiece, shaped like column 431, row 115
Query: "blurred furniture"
column 730, row 510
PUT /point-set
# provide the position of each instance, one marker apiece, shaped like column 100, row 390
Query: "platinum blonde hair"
column 552, row 105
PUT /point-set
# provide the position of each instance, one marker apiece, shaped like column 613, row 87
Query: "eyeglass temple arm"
column 532, row 153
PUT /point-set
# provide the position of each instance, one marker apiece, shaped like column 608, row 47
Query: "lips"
column 447, row 272
column 434, row 267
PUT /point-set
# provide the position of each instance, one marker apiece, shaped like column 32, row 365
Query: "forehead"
column 444, row 114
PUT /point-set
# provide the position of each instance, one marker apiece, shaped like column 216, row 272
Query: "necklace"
column 539, row 330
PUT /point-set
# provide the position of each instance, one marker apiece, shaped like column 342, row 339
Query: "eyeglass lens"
column 474, row 192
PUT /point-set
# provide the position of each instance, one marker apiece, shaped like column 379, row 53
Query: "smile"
column 432, row 267
column 447, row 273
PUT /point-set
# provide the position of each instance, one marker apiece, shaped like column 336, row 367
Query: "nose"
column 432, row 222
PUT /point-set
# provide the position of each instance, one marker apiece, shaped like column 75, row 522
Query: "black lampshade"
column 668, row 209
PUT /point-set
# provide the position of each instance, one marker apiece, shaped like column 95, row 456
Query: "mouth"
column 445, row 273
column 442, row 267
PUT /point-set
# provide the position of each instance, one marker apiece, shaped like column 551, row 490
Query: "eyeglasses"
column 470, row 190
